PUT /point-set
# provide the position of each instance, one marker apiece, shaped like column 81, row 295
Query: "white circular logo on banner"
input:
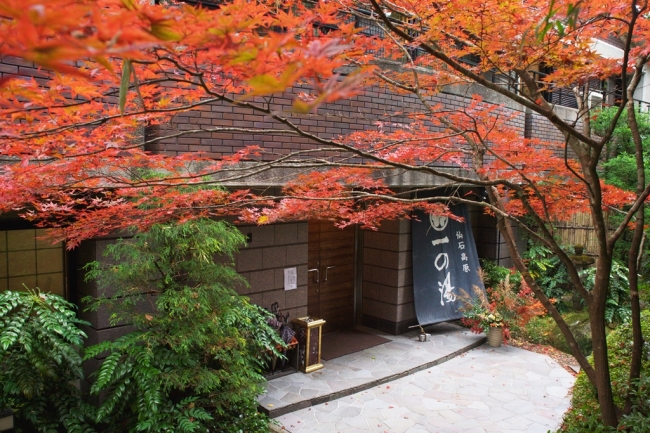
column 438, row 223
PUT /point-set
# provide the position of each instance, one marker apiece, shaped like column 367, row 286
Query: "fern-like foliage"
column 617, row 306
column 194, row 362
column 40, row 360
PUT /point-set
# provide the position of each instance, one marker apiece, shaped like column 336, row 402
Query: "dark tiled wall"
column 489, row 242
column 274, row 248
column 100, row 328
column 387, row 302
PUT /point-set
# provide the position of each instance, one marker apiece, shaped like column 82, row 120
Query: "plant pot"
column 495, row 336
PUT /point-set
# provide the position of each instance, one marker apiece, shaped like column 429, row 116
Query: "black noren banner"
column 445, row 265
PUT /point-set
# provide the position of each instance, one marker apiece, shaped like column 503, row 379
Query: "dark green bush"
column 619, row 169
column 550, row 273
column 493, row 274
column 40, row 362
column 194, row 362
column 617, row 309
column 584, row 416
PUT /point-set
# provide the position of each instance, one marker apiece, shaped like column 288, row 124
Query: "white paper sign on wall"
column 290, row 279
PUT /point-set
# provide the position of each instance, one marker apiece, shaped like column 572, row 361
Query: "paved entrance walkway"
column 402, row 356
column 484, row 390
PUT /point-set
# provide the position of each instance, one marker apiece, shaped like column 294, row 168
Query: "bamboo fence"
column 578, row 230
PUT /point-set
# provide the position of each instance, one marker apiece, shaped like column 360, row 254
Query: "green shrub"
column 194, row 362
column 494, row 274
column 617, row 308
column 40, row 361
column 585, row 414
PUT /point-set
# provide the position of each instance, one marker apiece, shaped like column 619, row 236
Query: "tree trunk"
column 603, row 383
column 635, row 252
column 637, row 336
column 588, row 159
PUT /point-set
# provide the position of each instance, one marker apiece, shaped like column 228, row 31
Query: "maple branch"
column 550, row 115
column 638, row 203
column 548, row 238
column 365, row 195
column 114, row 92
column 575, row 173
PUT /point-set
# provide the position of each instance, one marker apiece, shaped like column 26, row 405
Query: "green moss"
column 544, row 330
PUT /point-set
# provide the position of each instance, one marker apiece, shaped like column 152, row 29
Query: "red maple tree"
column 73, row 147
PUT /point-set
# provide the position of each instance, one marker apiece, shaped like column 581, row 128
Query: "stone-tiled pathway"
column 349, row 374
column 485, row 390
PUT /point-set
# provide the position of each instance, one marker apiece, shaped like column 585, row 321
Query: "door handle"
column 317, row 274
column 327, row 269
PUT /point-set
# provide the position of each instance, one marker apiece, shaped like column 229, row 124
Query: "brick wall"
column 10, row 65
column 541, row 128
column 335, row 119
column 339, row 118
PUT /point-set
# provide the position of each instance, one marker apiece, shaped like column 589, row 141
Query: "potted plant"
column 499, row 308
column 481, row 316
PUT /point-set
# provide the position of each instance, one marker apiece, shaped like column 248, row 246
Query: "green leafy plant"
column 40, row 362
column 639, row 418
column 549, row 272
column 493, row 274
column 194, row 361
column 585, row 415
column 622, row 139
column 617, row 308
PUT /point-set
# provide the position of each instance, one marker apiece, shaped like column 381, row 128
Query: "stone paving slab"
column 349, row 374
column 484, row 390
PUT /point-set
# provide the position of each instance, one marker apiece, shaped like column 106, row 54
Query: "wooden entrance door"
column 331, row 275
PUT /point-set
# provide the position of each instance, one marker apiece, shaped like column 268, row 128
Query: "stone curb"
column 274, row 428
